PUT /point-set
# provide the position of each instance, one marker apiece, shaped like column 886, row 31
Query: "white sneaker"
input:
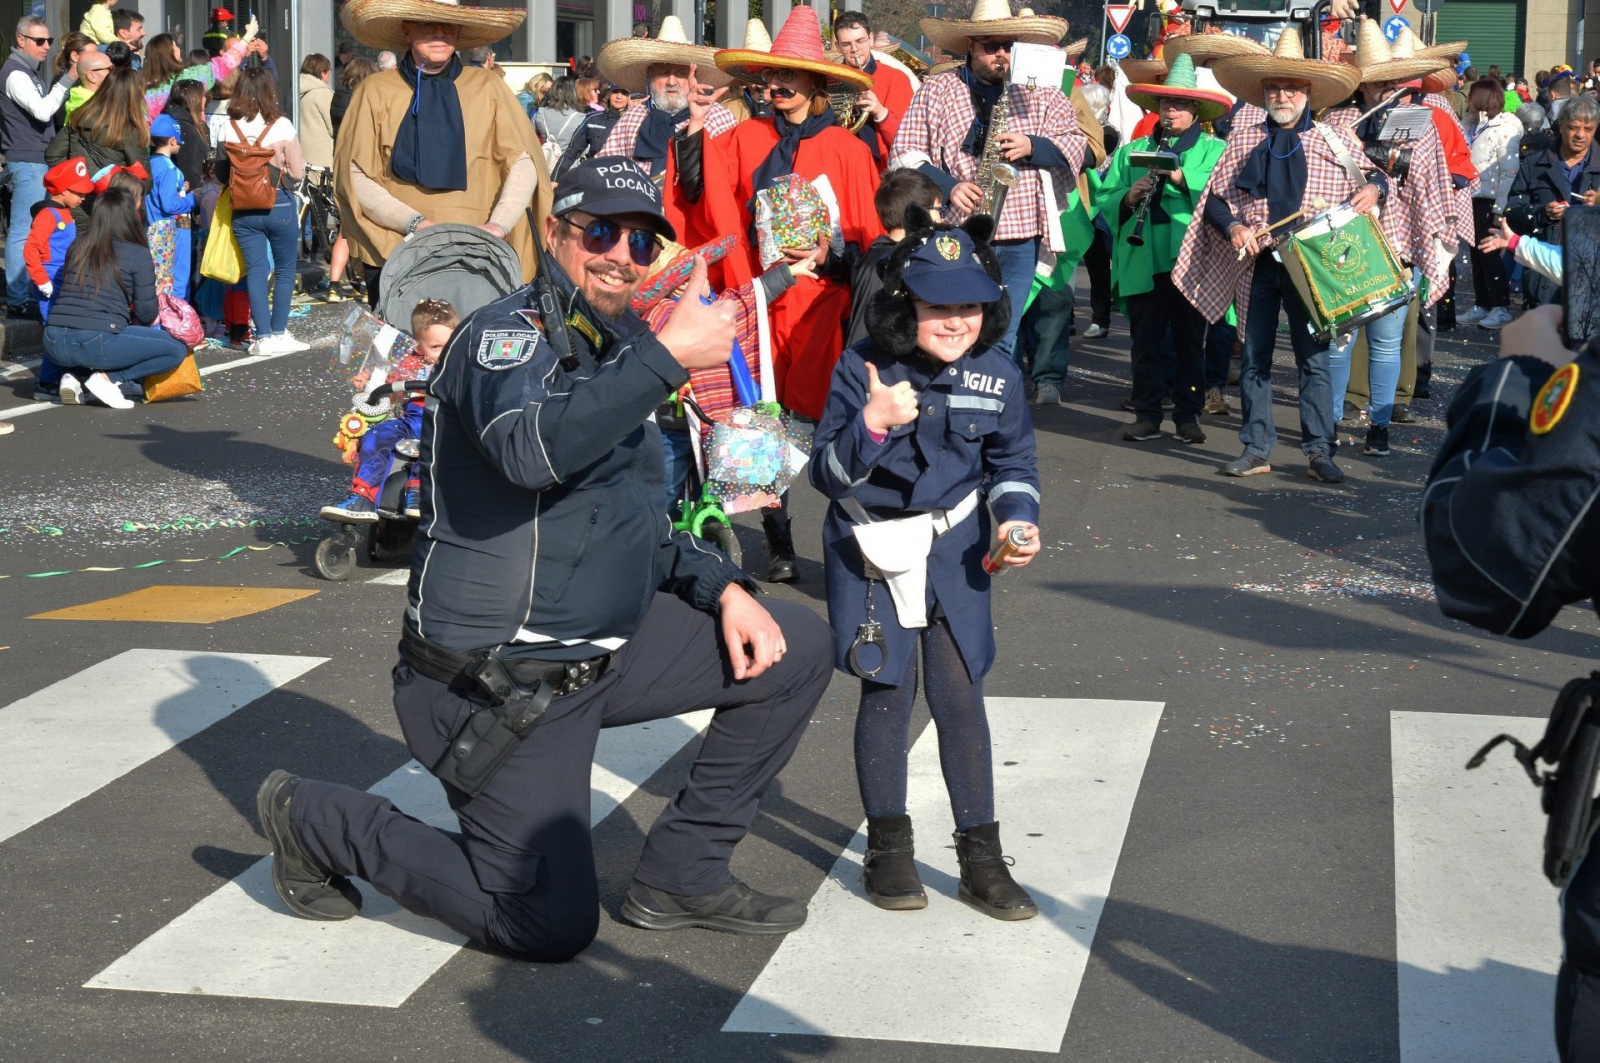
column 101, row 387
column 71, row 390
column 1094, row 332
column 287, row 344
column 1498, row 318
column 264, row 345
column 1473, row 316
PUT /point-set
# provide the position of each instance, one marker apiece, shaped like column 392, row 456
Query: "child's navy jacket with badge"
column 973, row 430
column 542, row 524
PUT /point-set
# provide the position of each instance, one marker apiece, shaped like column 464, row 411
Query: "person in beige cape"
column 488, row 175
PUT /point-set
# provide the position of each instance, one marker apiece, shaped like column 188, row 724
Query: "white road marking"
column 84, row 732
column 1075, row 776
column 240, row 942
column 400, row 577
column 1477, row 928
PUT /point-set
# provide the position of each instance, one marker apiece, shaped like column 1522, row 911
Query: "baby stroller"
column 457, row 263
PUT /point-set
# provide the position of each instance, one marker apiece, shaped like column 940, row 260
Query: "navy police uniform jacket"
column 542, row 529
column 973, row 430
column 1509, row 514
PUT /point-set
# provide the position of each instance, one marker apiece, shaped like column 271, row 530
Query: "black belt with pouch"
column 510, row 696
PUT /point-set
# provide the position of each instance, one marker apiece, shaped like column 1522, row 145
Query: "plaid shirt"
column 1420, row 215
column 937, row 122
column 1462, row 196
column 1209, row 272
column 626, row 132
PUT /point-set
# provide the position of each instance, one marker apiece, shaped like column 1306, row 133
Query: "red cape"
column 808, row 320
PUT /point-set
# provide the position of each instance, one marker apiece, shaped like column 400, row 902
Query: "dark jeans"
column 129, row 355
column 1155, row 360
column 1270, row 291
column 1490, row 286
column 1578, row 984
column 1018, row 260
column 519, row 878
column 260, row 232
column 1046, row 333
column 1220, row 339
column 1097, row 261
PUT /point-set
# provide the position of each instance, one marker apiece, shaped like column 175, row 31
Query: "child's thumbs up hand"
column 887, row 405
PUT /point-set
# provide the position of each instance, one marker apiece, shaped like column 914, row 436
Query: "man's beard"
column 1286, row 114
column 610, row 302
column 669, row 100
column 993, row 74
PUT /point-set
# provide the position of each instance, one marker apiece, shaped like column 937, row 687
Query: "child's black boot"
column 986, row 881
column 889, row 871
column 780, row 548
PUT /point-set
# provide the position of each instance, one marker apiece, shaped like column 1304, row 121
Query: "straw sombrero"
column 1442, row 79
column 756, row 37
column 798, row 46
column 1451, row 50
column 1143, row 71
column 1330, row 83
column 1181, row 84
column 1076, row 49
column 380, row 24
column 1207, row 48
column 1378, row 62
column 627, row 61
column 993, row 18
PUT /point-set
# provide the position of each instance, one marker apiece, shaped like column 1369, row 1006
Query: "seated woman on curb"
column 102, row 319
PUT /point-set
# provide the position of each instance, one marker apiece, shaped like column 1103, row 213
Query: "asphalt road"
column 1259, row 895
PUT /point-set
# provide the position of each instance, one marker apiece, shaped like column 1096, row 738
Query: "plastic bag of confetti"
column 792, row 215
column 753, row 454
column 370, row 348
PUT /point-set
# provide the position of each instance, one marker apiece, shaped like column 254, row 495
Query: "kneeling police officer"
column 549, row 597
column 1513, row 536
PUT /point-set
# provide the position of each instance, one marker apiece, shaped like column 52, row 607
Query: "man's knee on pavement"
column 525, row 932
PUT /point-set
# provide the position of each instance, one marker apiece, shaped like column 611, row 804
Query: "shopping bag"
column 182, row 379
column 180, row 320
column 223, row 260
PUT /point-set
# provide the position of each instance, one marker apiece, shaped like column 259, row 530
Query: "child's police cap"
column 945, row 271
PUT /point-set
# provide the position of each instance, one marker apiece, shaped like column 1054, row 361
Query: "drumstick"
column 1317, row 204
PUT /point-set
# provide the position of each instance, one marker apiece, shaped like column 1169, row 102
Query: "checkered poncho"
column 1209, row 272
column 937, row 122
column 626, row 132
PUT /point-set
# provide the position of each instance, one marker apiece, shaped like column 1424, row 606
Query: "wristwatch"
column 416, row 220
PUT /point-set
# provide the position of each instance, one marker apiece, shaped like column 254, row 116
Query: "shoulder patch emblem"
column 499, row 350
column 532, row 318
column 1550, row 405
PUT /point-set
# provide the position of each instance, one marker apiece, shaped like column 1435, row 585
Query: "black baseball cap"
column 945, row 271
column 609, row 186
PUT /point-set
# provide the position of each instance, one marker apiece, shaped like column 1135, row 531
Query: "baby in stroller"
column 432, row 323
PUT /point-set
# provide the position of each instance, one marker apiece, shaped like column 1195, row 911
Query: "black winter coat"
column 113, row 307
column 191, row 157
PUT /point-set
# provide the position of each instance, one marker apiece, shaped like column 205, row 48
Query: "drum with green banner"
column 1347, row 275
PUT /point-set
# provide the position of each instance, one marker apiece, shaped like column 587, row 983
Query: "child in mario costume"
column 53, row 230
column 926, row 442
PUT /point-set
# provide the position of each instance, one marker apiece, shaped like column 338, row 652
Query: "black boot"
column 1424, row 386
column 889, row 871
column 780, row 550
column 986, row 881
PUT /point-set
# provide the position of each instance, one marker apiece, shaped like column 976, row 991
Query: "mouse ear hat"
column 892, row 322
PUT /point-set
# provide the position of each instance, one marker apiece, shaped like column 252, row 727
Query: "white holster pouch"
column 899, row 550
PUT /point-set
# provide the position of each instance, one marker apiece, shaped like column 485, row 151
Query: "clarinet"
column 1136, row 237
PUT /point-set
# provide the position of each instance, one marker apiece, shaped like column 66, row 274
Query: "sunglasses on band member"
column 602, row 234
column 994, row 47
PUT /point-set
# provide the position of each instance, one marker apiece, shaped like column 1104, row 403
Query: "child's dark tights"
column 884, row 722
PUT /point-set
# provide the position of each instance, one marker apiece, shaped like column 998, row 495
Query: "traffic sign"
column 1120, row 15
column 1398, row 5
column 1118, row 46
column 1392, row 28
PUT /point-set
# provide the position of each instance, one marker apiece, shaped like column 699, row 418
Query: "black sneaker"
column 1141, row 430
column 47, row 392
column 1377, row 441
column 734, row 907
column 1402, row 415
column 28, row 311
column 1322, row 468
column 1190, row 433
column 306, row 889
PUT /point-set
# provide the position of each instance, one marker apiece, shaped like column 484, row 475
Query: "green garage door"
column 1494, row 30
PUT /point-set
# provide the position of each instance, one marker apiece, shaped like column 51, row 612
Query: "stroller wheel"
column 722, row 535
column 335, row 559
column 375, row 549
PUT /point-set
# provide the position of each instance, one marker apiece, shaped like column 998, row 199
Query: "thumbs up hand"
column 887, row 405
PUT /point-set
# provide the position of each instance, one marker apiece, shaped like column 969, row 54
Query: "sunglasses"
column 994, row 47
column 602, row 234
column 42, row 42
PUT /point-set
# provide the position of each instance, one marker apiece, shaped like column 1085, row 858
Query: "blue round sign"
column 1118, row 46
column 1392, row 28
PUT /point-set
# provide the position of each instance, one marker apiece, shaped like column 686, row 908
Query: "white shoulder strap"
column 1342, row 153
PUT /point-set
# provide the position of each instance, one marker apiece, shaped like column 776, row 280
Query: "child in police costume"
column 924, row 419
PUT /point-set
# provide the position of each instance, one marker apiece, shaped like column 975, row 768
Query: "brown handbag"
column 252, row 178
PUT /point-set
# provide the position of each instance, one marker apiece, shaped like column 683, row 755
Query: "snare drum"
column 1345, row 271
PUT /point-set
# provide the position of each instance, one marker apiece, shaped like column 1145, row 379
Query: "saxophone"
column 995, row 176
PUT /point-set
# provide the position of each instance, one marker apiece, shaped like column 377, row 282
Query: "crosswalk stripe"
column 73, row 737
column 398, row 578
column 240, row 942
column 1476, row 923
column 1067, row 772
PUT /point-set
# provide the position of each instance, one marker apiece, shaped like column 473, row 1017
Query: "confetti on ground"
column 1239, row 729
column 235, row 552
